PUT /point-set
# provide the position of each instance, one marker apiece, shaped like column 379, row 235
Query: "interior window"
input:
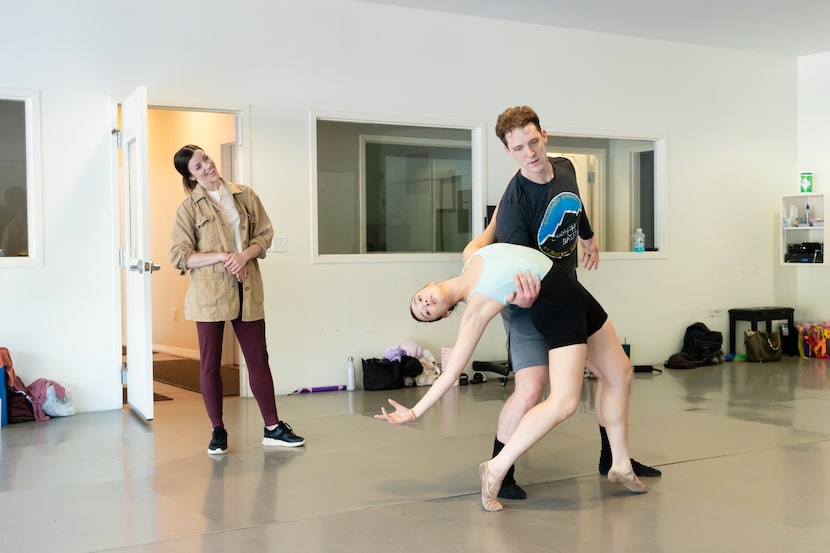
column 19, row 177
column 391, row 188
column 622, row 184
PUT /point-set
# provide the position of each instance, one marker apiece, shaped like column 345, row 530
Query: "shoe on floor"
column 639, row 468
column 630, row 481
column 218, row 441
column 488, row 499
column 283, row 435
column 511, row 490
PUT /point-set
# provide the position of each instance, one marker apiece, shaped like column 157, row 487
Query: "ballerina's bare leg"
column 566, row 376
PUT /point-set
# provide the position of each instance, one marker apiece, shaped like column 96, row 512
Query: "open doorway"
column 169, row 129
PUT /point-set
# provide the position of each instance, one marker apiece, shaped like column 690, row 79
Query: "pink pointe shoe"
column 629, row 480
column 489, row 489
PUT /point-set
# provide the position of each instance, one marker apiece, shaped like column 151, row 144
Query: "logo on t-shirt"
column 560, row 225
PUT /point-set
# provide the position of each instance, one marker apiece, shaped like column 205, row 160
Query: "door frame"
column 136, row 263
column 243, row 167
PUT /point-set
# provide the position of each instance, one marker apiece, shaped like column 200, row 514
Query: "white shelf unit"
column 796, row 232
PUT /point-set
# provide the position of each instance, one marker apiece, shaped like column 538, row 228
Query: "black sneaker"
column 282, row 435
column 219, row 441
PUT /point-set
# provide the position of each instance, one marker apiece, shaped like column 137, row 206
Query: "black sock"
column 605, row 452
column 508, row 478
column 605, row 459
column 497, row 446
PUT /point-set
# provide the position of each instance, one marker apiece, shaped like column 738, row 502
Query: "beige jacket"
column 213, row 292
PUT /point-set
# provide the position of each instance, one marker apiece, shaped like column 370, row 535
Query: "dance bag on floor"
column 701, row 345
column 762, row 347
column 382, row 374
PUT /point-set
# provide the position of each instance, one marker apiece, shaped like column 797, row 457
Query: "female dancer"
column 575, row 327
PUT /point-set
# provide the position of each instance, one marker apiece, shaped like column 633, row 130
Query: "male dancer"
column 540, row 208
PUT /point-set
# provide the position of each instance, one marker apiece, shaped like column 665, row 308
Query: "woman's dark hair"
column 180, row 162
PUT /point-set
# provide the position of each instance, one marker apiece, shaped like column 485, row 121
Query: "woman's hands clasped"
column 235, row 263
column 400, row 415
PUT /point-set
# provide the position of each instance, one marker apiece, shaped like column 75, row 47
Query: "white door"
column 137, row 263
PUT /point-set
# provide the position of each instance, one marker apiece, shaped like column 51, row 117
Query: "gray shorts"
column 527, row 346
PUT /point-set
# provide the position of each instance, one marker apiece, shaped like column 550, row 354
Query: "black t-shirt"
column 548, row 216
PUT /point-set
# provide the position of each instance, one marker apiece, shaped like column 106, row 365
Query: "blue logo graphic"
column 559, row 229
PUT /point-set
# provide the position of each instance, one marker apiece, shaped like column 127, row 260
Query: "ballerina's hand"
column 400, row 415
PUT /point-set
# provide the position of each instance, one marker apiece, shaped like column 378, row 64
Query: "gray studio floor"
column 745, row 451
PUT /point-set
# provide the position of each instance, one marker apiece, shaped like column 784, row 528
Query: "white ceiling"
column 789, row 28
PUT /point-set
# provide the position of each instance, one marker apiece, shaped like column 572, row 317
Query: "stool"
column 768, row 314
column 502, row 368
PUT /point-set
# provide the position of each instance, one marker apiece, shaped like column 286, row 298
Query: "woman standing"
column 220, row 230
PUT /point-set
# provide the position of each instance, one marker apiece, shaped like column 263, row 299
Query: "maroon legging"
column 251, row 336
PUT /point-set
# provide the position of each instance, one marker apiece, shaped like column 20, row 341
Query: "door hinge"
column 117, row 133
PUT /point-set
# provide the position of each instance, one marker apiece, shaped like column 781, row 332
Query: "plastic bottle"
column 350, row 375
column 807, row 215
column 639, row 240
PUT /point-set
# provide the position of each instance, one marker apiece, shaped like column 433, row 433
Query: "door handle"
column 140, row 266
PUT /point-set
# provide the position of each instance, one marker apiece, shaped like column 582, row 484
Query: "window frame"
column 34, row 187
column 661, row 188
column 477, row 211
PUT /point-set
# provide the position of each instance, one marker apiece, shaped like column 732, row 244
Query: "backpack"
column 16, row 404
column 702, row 346
column 382, row 374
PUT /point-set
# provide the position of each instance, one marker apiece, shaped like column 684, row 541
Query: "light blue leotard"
column 500, row 263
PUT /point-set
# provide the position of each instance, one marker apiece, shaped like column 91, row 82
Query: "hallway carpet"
column 184, row 373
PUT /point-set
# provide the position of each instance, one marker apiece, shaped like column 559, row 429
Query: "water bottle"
column 350, row 375
column 807, row 215
column 639, row 240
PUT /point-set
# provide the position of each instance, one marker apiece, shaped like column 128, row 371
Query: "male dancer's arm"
column 527, row 287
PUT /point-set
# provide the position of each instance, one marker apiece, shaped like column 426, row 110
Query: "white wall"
column 730, row 118
column 813, row 155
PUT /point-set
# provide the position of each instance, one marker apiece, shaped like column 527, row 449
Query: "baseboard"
column 178, row 352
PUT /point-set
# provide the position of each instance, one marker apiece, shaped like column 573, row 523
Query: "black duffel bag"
column 382, row 374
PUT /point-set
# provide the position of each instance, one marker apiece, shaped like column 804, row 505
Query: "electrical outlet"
column 279, row 244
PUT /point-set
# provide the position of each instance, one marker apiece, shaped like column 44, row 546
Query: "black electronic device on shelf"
column 805, row 252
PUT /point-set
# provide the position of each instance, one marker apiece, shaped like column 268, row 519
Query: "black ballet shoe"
column 644, row 470
column 511, row 490
column 640, row 469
